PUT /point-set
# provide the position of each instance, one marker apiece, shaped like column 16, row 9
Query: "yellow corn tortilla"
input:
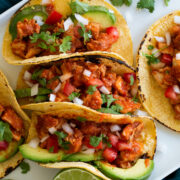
column 7, row 98
column 64, row 111
column 117, row 66
column 122, row 47
column 151, row 94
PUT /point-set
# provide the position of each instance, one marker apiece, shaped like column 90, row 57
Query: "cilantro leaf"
column 146, row 4
column 24, row 167
column 150, row 47
column 78, row 7
column 66, row 44
column 91, row 89
column 82, row 119
column 107, row 99
column 121, row 2
column 106, row 141
column 43, row 45
column 107, row 110
column 42, row 82
column 51, row 149
column 73, row 95
column 61, row 136
column 84, row 33
column 95, row 140
column 127, row 2
column 131, row 80
column 151, row 59
column 135, row 99
column 36, row 74
column 166, row 2
column 117, row 108
column 5, row 132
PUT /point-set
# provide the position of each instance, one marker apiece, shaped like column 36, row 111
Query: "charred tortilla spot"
column 10, row 169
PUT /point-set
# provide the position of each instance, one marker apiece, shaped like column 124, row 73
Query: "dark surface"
column 5, row 4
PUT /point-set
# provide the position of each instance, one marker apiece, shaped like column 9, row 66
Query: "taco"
column 99, row 83
column 158, row 70
column 43, row 31
column 119, row 146
column 13, row 128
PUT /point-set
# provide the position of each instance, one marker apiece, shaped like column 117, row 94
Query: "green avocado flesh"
column 105, row 18
column 40, row 155
column 138, row 172
column 85, row 157
column 28, row 13
column 10, row 151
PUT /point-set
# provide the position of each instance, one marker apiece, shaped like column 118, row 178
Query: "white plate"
column 167, row 158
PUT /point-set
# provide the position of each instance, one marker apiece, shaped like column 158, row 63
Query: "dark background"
column 5, row 4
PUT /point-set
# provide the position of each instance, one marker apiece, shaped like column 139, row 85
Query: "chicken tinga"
column 119, row 142
column 42, row 30
column 104, row 86
column 13, row 128
column 160, row 76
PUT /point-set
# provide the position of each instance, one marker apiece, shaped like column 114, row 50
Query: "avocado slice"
column 100, row 15
column 40, row 155
column 10, row 151
column 138, row 172
column 85, row 157
column 29, row 13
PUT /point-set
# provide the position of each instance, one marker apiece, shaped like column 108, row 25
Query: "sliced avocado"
column 100, row 15
column 10, row 151
column 85, row 157
column 40, row 155
column 28, row 13
column 138, row 172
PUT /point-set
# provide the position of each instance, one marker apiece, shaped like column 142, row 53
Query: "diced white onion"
column 178, row 56
column 76, row 100
column 168, row 38
column 65, row 77
column 67, row 128
column 87, row 73
column 176, row 89
column 29, row 83
column 88, row 151
column 156, row 52
column 67, row 23
column 27, row 75
column 104, row 90
column 34, row 90
column 177, row 19
column 52, row 130
column 57, row 88
column 34, row 142
column 39, row 20
column 52, row 97
column 159, row 39
column 73, row 125
column 140, row 113
column 115, row 127
column 81, row 19
column 44, row 138
column 43, row 2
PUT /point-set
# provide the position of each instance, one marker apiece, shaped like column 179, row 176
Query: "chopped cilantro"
column 84, row 33
column 151, row 59
column 82, row 119
column 43, row 45
column 107, row 110
column 66, row 44
column 24, row 167
column 36, row 74
column 42, row 82
column 107, row 99
column 5, row 132
column 117, row 108
column 135, row 99
column 129, row 113
column 61, row 136
column 91, row 89
column 150, row 47
column 121, row 2
column 51, row 149
column 146, row 4
column 106, row 141
column 45, row 27
column 166, row 2
column 131, row 80
column 53, row 79
column 78, row 7
column 167, row 72
column 73, row 95
column 95, row 140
